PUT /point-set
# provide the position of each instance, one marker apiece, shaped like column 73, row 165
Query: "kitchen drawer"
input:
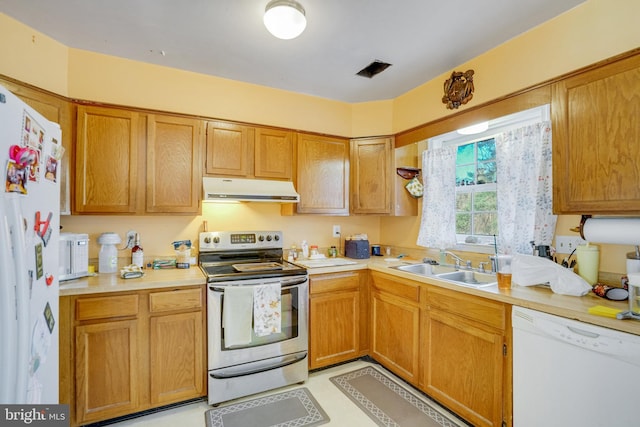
column 182, row 299
column 397, row 287
column 105, row 307
column 334, row 282
column 482, row 310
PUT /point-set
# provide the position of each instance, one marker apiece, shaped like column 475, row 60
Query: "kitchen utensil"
column 633, row 261
column 634, row 294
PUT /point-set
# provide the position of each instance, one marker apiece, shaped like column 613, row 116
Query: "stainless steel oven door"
column 293, row 338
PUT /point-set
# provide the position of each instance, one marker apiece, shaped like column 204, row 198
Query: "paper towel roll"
column 620, row 231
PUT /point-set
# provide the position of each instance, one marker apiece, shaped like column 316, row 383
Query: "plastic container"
column 108, row 256
column 183, row 253
column 588, row 257
column 504, row 271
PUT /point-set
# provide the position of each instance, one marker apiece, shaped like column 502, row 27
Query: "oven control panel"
column 229, row 240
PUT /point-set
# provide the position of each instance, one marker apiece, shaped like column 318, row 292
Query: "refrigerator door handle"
column 8, row 316
column 17, row 229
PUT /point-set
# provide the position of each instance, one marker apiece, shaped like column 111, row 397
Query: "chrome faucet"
column 456, row 258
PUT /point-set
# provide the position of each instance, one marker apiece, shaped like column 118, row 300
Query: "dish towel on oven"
column 267, row 316
column 236, row 315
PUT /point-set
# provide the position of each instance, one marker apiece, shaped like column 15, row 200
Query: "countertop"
column 152, row 279
column 535, row 297
column 540, row 298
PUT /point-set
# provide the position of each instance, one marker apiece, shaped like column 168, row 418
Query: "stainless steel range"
column 257, row 307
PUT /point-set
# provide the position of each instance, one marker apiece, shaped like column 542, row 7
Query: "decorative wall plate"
column 458, row 89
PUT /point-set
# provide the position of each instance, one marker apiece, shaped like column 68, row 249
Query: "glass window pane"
column 465, row 175
column 487, row 173
column 487, row 150
column 485, row 201
column 463, row 202
column 485, row 224
column 466, row 154
column 463, row 223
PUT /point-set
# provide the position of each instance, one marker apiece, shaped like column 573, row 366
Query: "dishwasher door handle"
column 583, row 332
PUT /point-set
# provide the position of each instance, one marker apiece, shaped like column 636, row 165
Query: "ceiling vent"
column 376, row 67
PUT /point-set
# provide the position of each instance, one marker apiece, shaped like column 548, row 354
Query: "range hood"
column 249, row 190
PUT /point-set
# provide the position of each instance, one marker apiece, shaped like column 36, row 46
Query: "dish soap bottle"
column 137, row 254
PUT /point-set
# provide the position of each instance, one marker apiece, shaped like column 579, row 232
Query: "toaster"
column 74, row 256
column 358, row 249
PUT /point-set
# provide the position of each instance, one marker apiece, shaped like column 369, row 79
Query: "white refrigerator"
column 30, row 154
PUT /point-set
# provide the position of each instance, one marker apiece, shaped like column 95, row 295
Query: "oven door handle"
column 286, row 284
column 232, row 373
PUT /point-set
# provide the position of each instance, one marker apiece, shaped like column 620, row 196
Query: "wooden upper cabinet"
column 596, row 134
column 273, row 153
column 322, row 174
column 228, row 149
column 107, row 149
column 372, row 176
column 174, row 175
column 249, row 152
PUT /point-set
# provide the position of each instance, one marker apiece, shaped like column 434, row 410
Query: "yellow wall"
column 157, row 232
column 32, row 57
column 115, row 80
column 593, row 31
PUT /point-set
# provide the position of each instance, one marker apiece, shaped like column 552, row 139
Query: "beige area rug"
column 389, row 404
column 294, row 408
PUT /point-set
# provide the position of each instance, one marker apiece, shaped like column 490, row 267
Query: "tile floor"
column 338, row 407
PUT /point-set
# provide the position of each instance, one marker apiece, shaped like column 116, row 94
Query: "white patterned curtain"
column 438, row 223
column 524, row 188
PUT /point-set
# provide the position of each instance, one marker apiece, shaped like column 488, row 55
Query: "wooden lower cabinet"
column 451, row 345
column 464, row 356
column 337, row 326
column 106, row 374
column 395, row 325
column 131, row 352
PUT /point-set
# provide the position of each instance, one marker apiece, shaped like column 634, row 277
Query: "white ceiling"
column 420, row 38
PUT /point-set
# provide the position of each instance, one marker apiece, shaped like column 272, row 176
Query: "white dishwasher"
column 568, row 373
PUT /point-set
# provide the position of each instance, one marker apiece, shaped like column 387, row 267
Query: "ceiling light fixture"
column 473, row 129
column 285, row 19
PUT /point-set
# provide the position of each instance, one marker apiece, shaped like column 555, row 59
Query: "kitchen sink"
column 424, row 269
column 469, row 278
column 461, row 277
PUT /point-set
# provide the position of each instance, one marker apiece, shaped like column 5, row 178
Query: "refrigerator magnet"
column 16, row 178
column 39, row 266
column 48, row 316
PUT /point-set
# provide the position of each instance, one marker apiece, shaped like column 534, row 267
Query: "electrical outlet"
column 336, row 231
column 131, row 238
column 566, row 244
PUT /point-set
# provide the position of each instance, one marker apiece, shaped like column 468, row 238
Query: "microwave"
column 74, row 256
